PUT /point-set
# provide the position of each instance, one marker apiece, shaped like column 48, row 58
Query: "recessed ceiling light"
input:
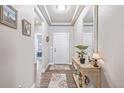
column 61, row 7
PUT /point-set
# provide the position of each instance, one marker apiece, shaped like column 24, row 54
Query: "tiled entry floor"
column 67, row 71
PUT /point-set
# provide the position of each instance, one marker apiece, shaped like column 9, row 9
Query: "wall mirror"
column 90, row 34
column 90, row 30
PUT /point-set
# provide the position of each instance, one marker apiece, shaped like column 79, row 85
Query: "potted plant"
column 82, row 52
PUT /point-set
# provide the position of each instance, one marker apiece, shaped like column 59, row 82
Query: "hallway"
column 84, row 41
column 58, row 76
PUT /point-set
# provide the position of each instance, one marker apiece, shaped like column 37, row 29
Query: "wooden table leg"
column 98, row 79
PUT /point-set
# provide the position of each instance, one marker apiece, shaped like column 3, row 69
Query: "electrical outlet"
column 19, row 86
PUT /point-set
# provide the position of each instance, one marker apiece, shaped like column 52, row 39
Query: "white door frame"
column 53, row 47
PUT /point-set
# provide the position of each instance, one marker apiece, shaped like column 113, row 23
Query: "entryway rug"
column 58, row 81
column 59, row 67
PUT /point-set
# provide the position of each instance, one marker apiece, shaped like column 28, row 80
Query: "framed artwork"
column 0, row 13
column 8, row 16
column 26, row 28
column 47, row 38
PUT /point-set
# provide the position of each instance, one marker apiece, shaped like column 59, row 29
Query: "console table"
column 85, row 69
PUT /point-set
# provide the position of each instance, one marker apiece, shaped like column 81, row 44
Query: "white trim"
column 51, row 63
column 62, row 64
column 107, row 76
column 63, row 24
column 88, row 24
column 77, row 12
column 77, row 7
column 49, row 18
column 43, row 70
column 42, row 13
column 70, row 63
column 37, row 10
column 33, row 85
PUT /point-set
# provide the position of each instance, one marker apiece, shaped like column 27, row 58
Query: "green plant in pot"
column 82, row 52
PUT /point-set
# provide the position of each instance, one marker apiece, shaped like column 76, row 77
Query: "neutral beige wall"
column 17, row 52
column 45, row 47
column 7, row 56
column 78, row 38
column 111, row 45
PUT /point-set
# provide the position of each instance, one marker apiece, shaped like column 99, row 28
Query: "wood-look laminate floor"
column 46, row 77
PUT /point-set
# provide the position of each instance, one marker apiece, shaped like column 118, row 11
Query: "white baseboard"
column 43, row 70
column 70, row 63
column 109, row 80
column 46, row 67
column 51, row 63
column 33, row 85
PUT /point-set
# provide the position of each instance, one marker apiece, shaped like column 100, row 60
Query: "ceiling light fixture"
column 61, row 7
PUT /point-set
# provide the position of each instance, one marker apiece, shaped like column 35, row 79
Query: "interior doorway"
column 38, row 47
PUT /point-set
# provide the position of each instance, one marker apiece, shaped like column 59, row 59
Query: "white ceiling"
column 61, row 16
column 55, row 17
column 89, row 16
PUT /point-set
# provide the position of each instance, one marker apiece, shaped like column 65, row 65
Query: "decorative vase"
column 82, row 60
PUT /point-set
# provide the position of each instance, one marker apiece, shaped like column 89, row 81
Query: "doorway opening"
column 38, row 47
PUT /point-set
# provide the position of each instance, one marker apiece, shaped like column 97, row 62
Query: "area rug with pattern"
column 58, row 81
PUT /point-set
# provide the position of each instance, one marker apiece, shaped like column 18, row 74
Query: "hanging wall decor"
column 8, row 16
column 47, row 39
column 26, row 28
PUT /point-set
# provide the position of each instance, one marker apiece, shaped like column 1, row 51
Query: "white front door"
column 61, row 48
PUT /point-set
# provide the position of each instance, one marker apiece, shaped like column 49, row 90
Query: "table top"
column 86, row 65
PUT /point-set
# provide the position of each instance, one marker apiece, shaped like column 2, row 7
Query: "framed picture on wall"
column 26, row 28
column 47, row 38
column 8, row 16
column 0, row 13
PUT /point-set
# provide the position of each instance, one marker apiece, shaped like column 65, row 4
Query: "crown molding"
column 88, row 24
column 47, row 17
column 43, row 12
column 37, row 11
column 60, row 24
column 77, row 13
